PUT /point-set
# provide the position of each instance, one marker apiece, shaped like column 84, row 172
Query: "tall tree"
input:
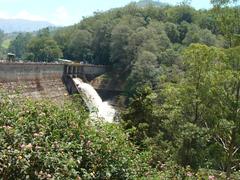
column 101, row 44
column 119, row 46
column 43, row 49
column 80, row 46
column 139, row 115
column 145, row 71
column 227, row 16
column 181, row 13
column 1, row 36
column 2, row 50
column 205, row 108
column 172, row 32
column 197, row 35
column 230, row 133
column 19, row 45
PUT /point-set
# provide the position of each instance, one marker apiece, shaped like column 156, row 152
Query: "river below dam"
column 97, row 107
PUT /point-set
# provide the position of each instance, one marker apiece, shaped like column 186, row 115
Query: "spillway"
column 97, row 107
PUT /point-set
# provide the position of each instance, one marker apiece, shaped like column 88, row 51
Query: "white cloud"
column 26, row 15
column 61, row 16
column 4, row 15
column 22, row 15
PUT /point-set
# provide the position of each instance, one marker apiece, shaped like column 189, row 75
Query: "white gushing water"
column 97, row 108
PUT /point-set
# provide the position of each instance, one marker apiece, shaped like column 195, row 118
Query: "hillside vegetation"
column 118, row 36
column 180, row 68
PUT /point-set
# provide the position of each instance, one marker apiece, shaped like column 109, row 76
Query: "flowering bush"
column 40, row 140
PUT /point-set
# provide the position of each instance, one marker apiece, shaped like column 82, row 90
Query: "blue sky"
column 66, row 12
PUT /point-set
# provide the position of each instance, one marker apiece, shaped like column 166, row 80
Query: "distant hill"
column 20, row 25
column 144, row 3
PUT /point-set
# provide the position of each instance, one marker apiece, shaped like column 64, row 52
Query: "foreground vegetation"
column 40, row 140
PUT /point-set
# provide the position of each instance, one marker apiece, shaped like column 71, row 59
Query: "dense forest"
column 180, row 67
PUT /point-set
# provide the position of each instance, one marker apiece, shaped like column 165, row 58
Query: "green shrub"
column 40, row 140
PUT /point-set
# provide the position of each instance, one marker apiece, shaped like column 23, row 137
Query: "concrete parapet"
column 29, row 71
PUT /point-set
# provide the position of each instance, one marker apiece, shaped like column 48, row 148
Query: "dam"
column 45, row 80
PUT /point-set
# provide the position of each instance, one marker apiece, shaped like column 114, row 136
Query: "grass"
column 6, row 43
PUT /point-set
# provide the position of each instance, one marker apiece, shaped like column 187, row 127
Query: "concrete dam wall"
column 40, row 80
column 10, row 72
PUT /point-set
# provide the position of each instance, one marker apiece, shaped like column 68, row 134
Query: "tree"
column 2, row 50
column 203, row 109
column 45, row 32
column 2, row 53
column 181, row 13
column 145, row 71
column 119, row 46
column 185, row 109
column 187, row 105
column 19, row 45
column 183, row 29
column 197, row 35
column 1, row 36
column 172, row 32
column 206, row 20
column 192, row 36
column 206, row 37
column 62, row 37
column 169, row 57
column 101, row 45
column 139, row 116
column 221, row 3
column 79, row 47
column 147, row 39
column 43, row 49
column 229, row 128
column 228, row 20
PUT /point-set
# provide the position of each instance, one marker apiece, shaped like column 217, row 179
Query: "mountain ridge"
column 22, row 25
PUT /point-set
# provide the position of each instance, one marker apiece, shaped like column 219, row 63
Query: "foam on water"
column 98, row 108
